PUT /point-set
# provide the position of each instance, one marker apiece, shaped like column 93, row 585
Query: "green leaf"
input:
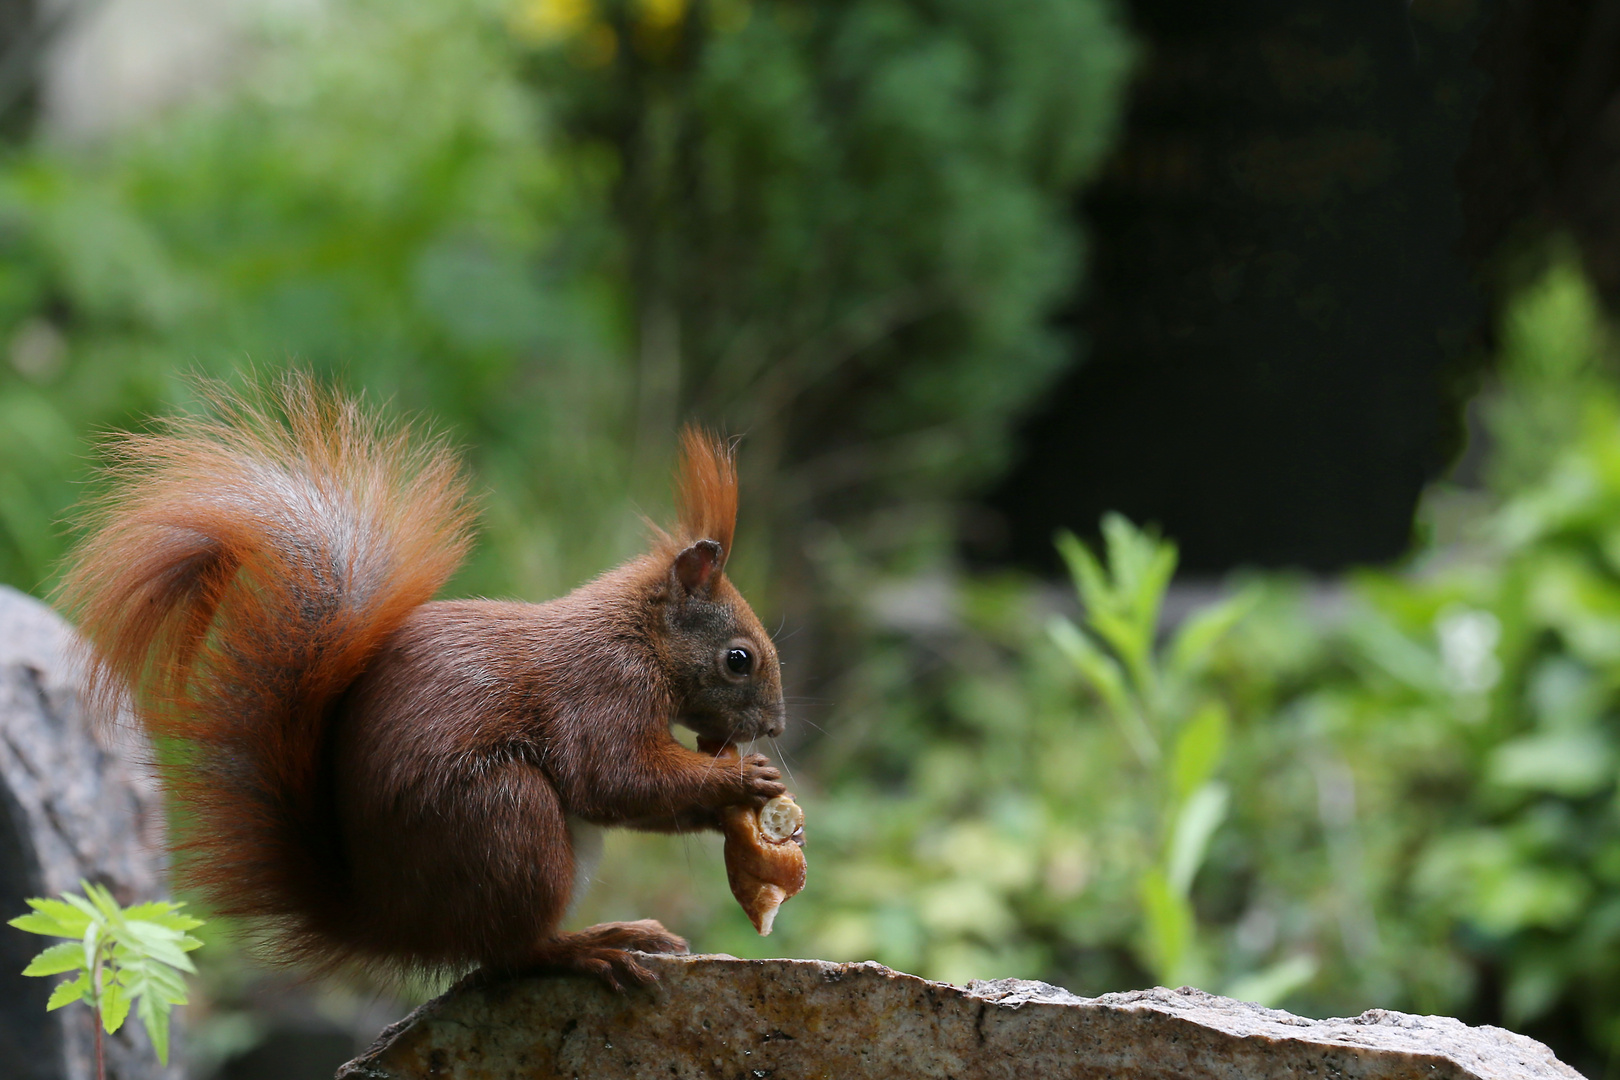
column 1483, row 875
column 155, row 1018
column 1142, row 566
column 1103, row 673
column 1198, row 635
column 143, row 949
column 115, row 1004
column 69, row 992
column 145, row 930
column 1271, row 984
column 1397, row 655
column 1100, row 669
column 39, row 924
column 101, row 898
column 1122, row 606
column 1132, row 641
column 164, row 913
column 158, row 942
column 1198, row 750
column 153, row 929
column 1149, row 594
column 1089, row 580
column 1129, row 550
column 1168, row 928
column 154, row 977
column 68, row 956
column 86, row 907
column 1573, row 764
column 1197, row 821
column 53, row 918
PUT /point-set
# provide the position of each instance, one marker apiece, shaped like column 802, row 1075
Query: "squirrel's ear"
column 696, row 568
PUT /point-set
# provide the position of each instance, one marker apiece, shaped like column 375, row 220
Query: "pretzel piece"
column 764, row 854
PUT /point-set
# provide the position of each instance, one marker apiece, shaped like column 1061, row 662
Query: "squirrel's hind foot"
column 616, row 967
column 643, row 935
column 604, row 951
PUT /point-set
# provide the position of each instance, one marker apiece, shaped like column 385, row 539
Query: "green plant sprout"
column 1175, row 726
column 120, row 957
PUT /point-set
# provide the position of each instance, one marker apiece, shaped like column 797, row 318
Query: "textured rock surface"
column 719, row 1017
column 72, row 806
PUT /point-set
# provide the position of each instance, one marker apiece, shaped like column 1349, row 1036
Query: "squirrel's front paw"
column 761, row 781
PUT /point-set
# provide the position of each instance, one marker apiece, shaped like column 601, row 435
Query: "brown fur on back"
column 378, row 778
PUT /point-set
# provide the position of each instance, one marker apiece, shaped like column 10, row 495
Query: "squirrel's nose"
column 776, row 720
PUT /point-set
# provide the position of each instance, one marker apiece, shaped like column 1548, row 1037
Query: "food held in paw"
column 764, row 860
column 764, row 854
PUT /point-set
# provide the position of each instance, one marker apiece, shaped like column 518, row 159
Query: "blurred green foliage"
column 838, row 229
column 377, row 204
column 844, row 224
column 1399, row 792
column 1176, row 730
column 561, row 228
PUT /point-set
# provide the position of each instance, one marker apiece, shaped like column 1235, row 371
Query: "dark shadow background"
column 1295, row 252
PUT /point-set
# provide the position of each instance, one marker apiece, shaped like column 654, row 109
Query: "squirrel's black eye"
column 739, row 661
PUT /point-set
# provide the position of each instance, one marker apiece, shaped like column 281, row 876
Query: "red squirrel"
column 377, row 778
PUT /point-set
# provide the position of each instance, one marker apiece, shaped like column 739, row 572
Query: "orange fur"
column 238, row 574
column 705, row 490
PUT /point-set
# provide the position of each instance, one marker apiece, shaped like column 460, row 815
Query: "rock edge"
column 720, row 1017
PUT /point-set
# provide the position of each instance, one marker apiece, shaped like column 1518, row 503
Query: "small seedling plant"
column 1177, row 729
column 120, row 958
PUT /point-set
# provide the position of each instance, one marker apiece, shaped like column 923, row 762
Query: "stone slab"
column 728, row 1019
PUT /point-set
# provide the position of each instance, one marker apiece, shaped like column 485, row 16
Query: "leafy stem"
column 1157, row 697
column 119, row 958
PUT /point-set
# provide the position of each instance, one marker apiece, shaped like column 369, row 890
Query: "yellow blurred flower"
column 546, row 21
column 659, row 15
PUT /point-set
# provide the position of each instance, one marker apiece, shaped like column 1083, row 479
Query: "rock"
column 73, row 804
column 716, row 1016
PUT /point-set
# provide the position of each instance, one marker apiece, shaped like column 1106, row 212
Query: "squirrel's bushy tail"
column 235, row 578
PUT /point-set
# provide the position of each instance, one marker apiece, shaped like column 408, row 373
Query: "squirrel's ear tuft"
column 706, row 489
column 696, row 568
